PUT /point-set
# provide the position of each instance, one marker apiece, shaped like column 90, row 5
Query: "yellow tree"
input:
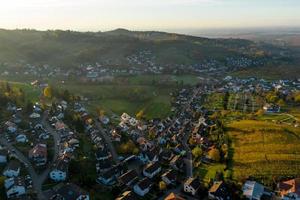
column 197, row 152
column 214, row 154
column 162, row 185
column 48, row 92
column 140, row 114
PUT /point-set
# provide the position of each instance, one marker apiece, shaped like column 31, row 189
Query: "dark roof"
column 69, row 191
column 102, row 153
column 152, row 167
column 144, row 183
column 13, row 165
column 194, row 183
column 129, row 176
column 219, row 189
column 171, row 175
column 3, row 152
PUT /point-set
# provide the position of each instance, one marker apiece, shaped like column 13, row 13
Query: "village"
column 134, row 158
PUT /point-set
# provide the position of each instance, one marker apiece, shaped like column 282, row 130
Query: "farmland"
column 264, row 150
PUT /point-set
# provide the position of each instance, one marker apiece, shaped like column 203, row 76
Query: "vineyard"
column 242, row 102
column 264, row 150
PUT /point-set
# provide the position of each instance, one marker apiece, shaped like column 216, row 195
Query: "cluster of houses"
column 15, row 184
column 67, row 143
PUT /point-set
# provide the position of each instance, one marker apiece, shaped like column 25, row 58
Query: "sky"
column 101, row 15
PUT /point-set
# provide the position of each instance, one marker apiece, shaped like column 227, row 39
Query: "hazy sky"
column 97, row 15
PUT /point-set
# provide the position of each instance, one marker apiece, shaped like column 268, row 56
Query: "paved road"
column 107, row 141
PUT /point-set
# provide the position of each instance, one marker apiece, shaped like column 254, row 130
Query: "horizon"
column 180, row 16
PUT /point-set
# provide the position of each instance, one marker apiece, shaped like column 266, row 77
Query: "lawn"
column 264, row 150
column 208, row 172
column 154, row 100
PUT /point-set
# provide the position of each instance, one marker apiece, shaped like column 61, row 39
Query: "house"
column 255, row 191
column 103, row 165
column 152, row 169
column 151, row 155
column 38, row 154
column 3, row 156
column 128, row 178
column 191, row 186
column 12, row 169
column 219, row 191
column 173, row 196
column 269, row 108
column 177, row 162
column 69, row 191
column 34, row 116
column 21, row 138
column 59, row 172
column 127, row 195
column 109, row 177
column 102, row 154
column 15, row 187
column 289, row 189
column 142, row 187
column 169, row 177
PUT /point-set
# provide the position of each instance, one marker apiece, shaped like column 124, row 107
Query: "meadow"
column 264, row 150
column 131, row 94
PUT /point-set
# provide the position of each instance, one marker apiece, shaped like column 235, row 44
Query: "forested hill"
column 121, row 47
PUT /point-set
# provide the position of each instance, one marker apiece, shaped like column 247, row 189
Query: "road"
column 108, row 141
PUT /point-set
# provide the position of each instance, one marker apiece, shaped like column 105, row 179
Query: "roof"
column 127, row 195
column 152, row 167
column 253, row 189
column 128, row 177
column 70, row 191
column 219, row 189
column 13, row 165
column 40, row 150
column 171, row 175
column 173, row 196
column 144, row 183
column 290, row 186
column 193, row 182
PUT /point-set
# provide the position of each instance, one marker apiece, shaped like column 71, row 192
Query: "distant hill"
column 68, row 48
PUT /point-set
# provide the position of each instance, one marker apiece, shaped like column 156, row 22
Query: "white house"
column 192, row 185
column 21, row 138
column 59, row 173
column 152, row 169
column 15, row 187
column 142, row 187
column 12, row 169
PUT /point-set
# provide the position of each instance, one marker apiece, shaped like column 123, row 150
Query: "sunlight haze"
column 94, row 15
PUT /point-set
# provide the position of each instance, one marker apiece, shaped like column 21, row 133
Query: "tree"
column 297, row 98
column 140, row 114
column 48, row 92
column 162, row 185
column 197, row 152
column 214, row 154
column 281, row 102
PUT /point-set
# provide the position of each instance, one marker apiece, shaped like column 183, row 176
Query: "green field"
column 150, row 93
column 264, row 150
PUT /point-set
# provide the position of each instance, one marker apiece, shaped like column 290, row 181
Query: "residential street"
column 107, row 141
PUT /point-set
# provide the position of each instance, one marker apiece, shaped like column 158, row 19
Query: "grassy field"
column 150, row 93
column 264, row 150
column 31, row 93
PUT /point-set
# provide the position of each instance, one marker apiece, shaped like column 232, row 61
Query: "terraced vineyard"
column 264, row 150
